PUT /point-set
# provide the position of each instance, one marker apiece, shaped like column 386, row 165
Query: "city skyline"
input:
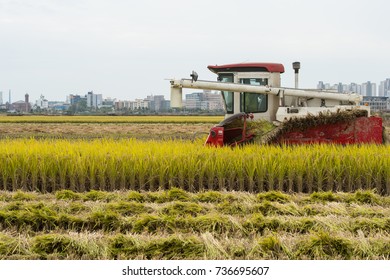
column 325, row 85
column 126, row 49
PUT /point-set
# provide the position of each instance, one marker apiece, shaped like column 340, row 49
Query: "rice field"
column 175, row 224
column 142, row 131
column 101, row 189
column 110, row 119
column 129, row 164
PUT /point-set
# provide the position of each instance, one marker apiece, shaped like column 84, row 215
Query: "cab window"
column 227, row 95
column 253, row 102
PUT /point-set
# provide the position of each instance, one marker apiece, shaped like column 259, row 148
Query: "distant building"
column 320, row 85
column 155, row 102
column 75, row 98
column 365, row 89
column 193, row 100
column 165, row 106
column 122, row 105
column 384, row 88
column 42, row 103
column 206, row 100
column 377, row 103
column 369, row 89
column 58, row 106
column 94, row 100
column 108, row 102
column 212, row 101
column 22, row 106
column 139, row 104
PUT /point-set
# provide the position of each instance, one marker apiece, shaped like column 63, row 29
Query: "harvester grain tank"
column 252, row 91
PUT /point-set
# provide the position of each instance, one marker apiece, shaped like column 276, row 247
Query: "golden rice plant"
column 129, row 164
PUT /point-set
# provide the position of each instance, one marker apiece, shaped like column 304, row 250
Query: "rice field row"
column 142, row 131
column 175, row 224
column 107, row 164
column 110, row 119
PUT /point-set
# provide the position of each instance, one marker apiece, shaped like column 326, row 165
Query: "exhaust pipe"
column 296, row 67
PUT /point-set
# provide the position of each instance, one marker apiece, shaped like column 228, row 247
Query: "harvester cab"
column 252, row 91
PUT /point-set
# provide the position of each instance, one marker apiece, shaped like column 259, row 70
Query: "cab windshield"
column 227, row 95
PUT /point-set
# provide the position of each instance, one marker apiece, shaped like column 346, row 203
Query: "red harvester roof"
column 247, row 67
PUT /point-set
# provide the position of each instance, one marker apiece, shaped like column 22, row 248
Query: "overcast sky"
column 125, row 49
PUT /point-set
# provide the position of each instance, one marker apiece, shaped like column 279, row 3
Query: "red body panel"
column 363, row 130
column 215, row 137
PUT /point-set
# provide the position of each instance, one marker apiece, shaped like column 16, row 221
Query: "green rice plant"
column 324, row 197
column 14, row 206
column 372, row 248
column 274, row 196
column 6, row 196
column 124, row 247
column 266, row 208
column 176, row 194
column 12, row 246
column 368, row 197
column 59, row 245
column 270, row 247
column 104, row 220
column 128, row 208
column 214, row 249
column 95, row 195
column 209, row 196
column 170, row 248
column 180, row 208
column 173, row 194
column 71, row 222
column 212, row 222
column 76, row 208
column 323, row 245
column 148, row 223
column 370, row 225
column 23, row 196
column 37, row 216
column 134, row 196
column 67, row 195
column 33, row 217
column 235, row 208
column 174, row 248
column 359, row 210
column 301, row 225
column 258, row 223
column 25, row 221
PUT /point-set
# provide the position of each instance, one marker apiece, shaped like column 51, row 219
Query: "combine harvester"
column 252, row 91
